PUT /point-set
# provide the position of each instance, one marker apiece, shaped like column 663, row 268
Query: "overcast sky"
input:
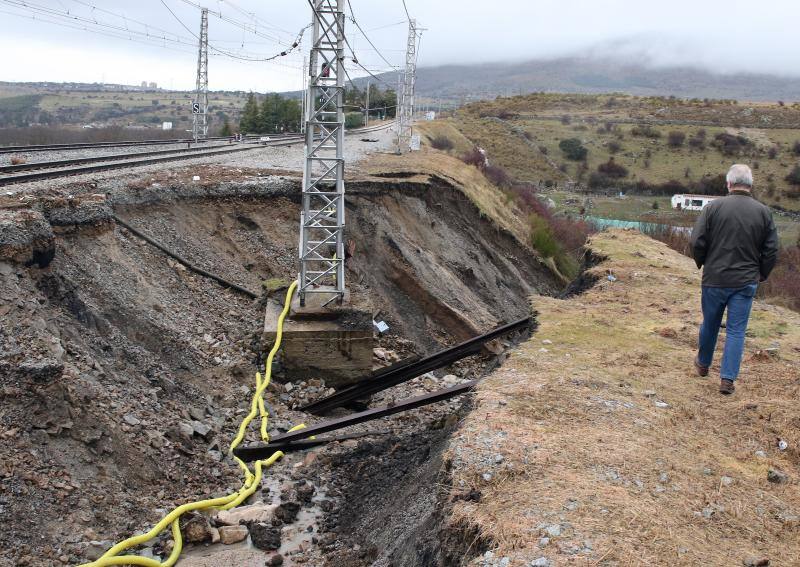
column 720, row 35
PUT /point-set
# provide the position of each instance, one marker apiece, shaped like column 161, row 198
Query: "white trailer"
column 688, row 202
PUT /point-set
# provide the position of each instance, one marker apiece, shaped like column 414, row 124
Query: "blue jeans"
column 714, row 301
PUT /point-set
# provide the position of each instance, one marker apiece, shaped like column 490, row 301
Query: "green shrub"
column 676, row 138
column 612, row 169
column 645, row 131
column 442, row 143
column 573, row 149
column 542, row 238
column 353, row 120
column 794, row 176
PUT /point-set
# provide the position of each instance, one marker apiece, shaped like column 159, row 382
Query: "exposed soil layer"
column 124, row 375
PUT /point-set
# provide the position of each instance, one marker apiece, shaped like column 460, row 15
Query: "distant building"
column 144, row 84
column 153, row 85
column 691, row 202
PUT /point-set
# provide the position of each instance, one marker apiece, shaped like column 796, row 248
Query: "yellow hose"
column 251, row 482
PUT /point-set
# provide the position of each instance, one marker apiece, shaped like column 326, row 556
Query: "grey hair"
column 740, row 174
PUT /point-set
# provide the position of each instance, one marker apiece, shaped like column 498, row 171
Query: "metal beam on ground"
column 404, row 372
column 291, row 441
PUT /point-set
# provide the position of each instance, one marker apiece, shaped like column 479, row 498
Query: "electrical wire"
column 352, row 53
column 121, row 16
column 355, row 22
column 253, row 15
column 87, row 29
column 242, row 25
column 386, row 26
column 406, row 9
column 233, row 55
column 36, row 8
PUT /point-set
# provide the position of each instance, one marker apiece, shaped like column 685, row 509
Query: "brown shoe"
column 726, row 387
column 701, row 370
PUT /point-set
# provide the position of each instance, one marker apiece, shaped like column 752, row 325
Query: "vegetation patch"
column 597, row 444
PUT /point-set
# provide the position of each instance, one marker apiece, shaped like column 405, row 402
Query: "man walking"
column 736, row 244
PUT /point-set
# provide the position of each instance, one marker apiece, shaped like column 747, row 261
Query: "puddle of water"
column 295, row 537
column 602, row 223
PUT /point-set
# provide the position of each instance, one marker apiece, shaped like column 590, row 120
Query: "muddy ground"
column 123, row 375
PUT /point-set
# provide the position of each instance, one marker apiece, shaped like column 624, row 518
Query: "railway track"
column 24, row 173
column 95, row 159
column 92, row 145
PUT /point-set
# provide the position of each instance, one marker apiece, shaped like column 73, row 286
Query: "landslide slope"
column 595, row 444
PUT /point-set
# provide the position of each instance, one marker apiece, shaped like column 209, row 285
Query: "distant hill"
column 590, row 75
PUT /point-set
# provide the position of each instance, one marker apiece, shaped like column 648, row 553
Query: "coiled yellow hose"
column 251, row 482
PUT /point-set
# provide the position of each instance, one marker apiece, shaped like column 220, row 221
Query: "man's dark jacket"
column 735, row 241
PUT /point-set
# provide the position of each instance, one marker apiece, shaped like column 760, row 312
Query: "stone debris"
column 232, row 534
column 777, row 476
column 197, row 529
column 131, row 420
column 265, row 536
column 246, row 514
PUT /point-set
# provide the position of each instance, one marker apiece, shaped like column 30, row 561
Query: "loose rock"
column 776, row 476
column 266, row 537
column 232, row 534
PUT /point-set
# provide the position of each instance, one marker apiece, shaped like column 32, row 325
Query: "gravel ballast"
column 288, row 158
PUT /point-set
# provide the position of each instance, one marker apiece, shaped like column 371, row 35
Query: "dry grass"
column 446, row 128
column 585, row 445
column 510, row 150
column 428, row 163
column 648, row 160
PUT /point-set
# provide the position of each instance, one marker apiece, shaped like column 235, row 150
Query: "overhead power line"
column 283, row 53
column 250, row 28
column 255, row 17
column 406, row 9
column 86, row 28
column 45, row 10
column 150, row 35
column 355, row 22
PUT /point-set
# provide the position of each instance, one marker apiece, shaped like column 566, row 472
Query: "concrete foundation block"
column 332, row 343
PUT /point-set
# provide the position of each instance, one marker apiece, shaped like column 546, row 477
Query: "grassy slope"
column 86, row 104
column 540, row 115
column 572, row 437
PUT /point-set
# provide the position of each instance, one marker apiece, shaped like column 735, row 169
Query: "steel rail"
column 89, row 145
column 124, row 143
column 404, row 372
column 126, row 163
column 304, row 444
column 53, row 173
column 94, row 159
column 292, row 440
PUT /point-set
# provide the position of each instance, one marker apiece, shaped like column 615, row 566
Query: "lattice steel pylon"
column 322, row 217
column 200, row 103
column 409, row 78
